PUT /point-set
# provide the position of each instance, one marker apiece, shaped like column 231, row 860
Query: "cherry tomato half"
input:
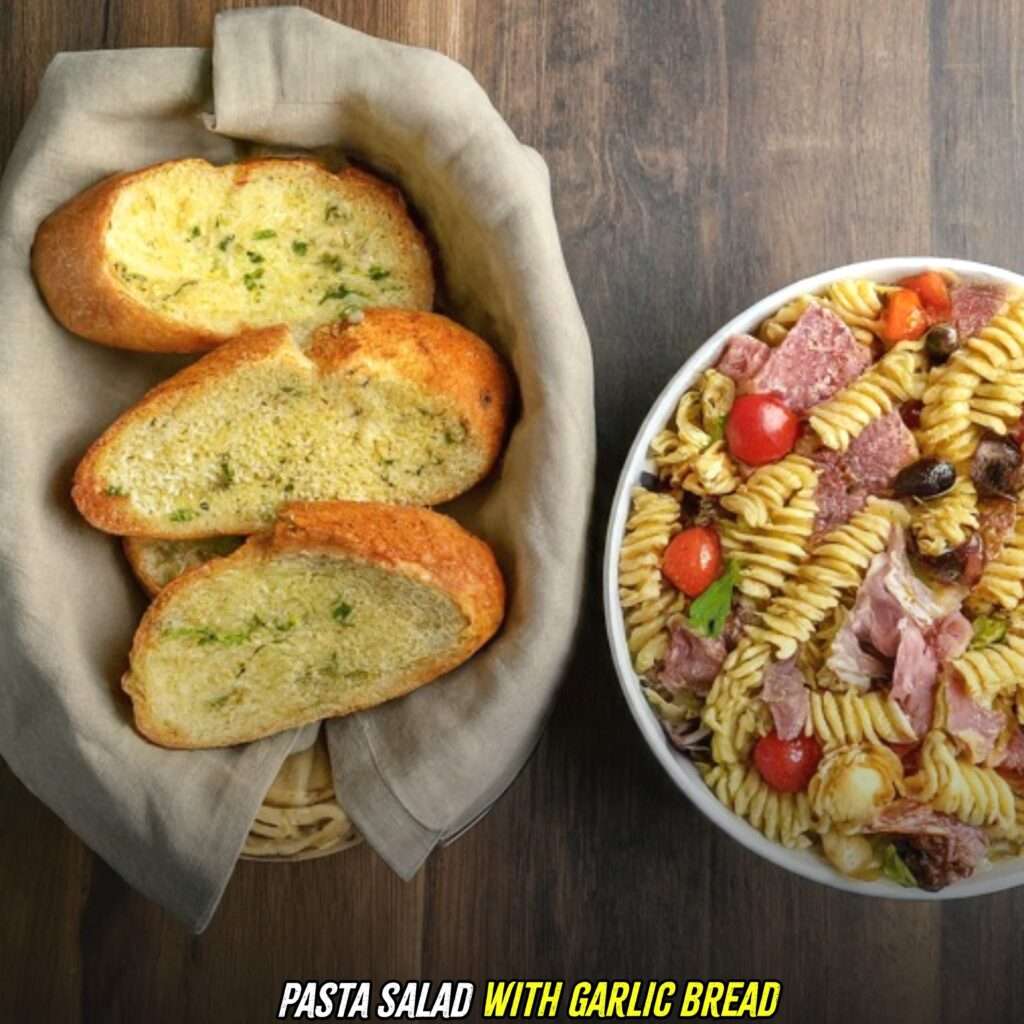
column 693, row 560
column 787, row 765
column 903, row 318
column 932, row 291
column 760, row 429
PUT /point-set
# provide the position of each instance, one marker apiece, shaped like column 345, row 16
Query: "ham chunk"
column 974, row 305
column 914, row 675
column 852, row 663
column 937, row 848
column 784, row 692
column 818, row 357
column 898, row 616
column 1012, row 757
column 742, row 357
column 691, row 662
column 977, row 727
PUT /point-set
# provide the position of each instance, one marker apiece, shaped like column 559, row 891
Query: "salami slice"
column 875, row 457
column 742, row 357
column 818, row 357
column 834, row 499
column 974, row 305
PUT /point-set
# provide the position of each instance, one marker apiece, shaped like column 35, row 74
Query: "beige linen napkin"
column 418, row 770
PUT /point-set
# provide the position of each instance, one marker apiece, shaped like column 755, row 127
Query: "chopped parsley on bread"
column 404, row 407
column 181, row 256
column 338, row 608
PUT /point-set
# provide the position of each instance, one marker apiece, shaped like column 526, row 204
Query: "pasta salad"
column 822, row 577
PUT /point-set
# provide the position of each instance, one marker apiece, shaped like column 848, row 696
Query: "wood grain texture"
column 702, row 154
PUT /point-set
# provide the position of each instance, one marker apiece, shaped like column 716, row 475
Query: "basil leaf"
column 987, row 631
column 708, row 612
column 895, row 869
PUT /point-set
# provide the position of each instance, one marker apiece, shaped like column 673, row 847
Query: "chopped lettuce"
column 987, row 631
column 894, row 868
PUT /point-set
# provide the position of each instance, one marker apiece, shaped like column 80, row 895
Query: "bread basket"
column 300, row 817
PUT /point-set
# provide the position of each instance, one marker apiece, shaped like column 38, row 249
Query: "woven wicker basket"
column 300, row 817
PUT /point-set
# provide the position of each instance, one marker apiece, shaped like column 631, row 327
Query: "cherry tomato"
column 903, row 318
column 760, row 429
column 933, row 293
column 787, row 765
column 693, row 560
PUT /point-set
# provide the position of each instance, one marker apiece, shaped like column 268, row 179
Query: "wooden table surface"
column 702, row 155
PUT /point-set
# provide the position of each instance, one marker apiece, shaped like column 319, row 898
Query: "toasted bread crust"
column 136, row 550
column 70, row 266
column 418, row 543
column 425, row 348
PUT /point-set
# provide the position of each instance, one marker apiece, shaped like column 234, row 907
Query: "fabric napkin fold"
column 417, row 771
column 414, row 772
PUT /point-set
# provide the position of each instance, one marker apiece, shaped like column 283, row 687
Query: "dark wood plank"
column 977, row 148
column 702, row 154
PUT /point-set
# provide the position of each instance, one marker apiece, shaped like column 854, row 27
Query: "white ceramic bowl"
column 1003, row 875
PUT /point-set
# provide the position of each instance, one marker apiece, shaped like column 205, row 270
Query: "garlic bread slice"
column 403, row 407
column 157, row 562
column 181, row 256
column 340, row 607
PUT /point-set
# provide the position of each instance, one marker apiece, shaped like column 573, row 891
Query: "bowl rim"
column 805, row 863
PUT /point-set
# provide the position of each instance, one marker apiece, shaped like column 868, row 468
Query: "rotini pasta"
column 683, row 707
column 675, row 448
column 647, row 601
column 975, row 795
column 774, row 330
column 814, row 654
column 994, row 670
column 829, row 635
column 946, row 522
column 996, row 404
column 897, row 377
column 836, row 564
column 858, row 301
column 770, row 555
column 950, row 427
column 769, row 489
column 1002, row 582
column 717, row 393
column 845, row 719
column 730, row 713
column 859, row 304
column 712, row 472
column 783, row 817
